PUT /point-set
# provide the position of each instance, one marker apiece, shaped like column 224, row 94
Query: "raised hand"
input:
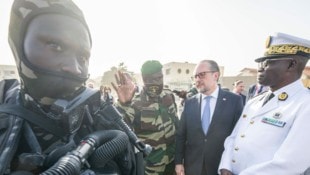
column 125, row 87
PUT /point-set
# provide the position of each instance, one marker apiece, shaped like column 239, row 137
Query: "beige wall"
column 228, row 81
column 8, row 72
column 178, row 75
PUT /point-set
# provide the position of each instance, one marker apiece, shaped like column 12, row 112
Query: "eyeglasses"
column 201, row 74
column 264, row 64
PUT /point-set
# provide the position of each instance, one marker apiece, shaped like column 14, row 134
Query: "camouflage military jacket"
column 155, row 123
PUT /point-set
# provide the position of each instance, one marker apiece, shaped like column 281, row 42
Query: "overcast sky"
column 231, row 32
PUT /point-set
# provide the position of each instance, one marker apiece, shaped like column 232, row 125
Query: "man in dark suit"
column 200, row 139
column 256, row 89
column 238, row 89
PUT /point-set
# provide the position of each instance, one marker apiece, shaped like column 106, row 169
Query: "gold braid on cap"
column 289, row 49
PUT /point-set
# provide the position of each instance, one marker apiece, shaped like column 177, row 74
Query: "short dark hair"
column 213, row 65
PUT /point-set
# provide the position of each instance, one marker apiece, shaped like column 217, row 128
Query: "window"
column 8, row 72
column 167, row 71
column 179, row 71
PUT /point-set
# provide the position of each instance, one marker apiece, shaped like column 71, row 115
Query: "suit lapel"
column 195, row 115
column 197, row 111
column 219, row 102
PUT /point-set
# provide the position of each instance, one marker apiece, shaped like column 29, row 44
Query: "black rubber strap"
column 43, row 122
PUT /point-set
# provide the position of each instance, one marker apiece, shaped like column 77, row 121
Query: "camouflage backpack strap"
column 43, row 122
column 9, row 138
column 9, row 93
column 7, row 88
column 168, row 107
column 139, row 105
column 2, row 84
column 10, row 125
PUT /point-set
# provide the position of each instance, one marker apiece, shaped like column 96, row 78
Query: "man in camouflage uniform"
column 152, row 114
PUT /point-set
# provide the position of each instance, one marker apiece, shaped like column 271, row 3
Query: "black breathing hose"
column 107, row 151
column 109, row 143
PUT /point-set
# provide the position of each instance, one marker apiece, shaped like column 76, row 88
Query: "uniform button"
column 244, row 115
column 236, row 148
column 242, row 136
column 252, row 122
column 233, row 161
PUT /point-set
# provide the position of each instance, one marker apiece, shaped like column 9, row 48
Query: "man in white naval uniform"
column 273, row 138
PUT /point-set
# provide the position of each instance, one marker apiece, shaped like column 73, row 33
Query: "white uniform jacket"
column 273, row 139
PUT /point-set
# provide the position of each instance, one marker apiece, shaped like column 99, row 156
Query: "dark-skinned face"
column 274, row 72
column 153, row 84
column 60, row 44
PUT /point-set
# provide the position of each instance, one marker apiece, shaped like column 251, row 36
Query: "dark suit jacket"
column 194, row 147
column 252, row 90
column 243, row 99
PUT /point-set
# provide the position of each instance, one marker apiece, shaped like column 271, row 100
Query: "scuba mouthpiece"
column 70, row 112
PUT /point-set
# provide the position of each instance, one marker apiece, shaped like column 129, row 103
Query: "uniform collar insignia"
column 283, row 96
column 277, row 115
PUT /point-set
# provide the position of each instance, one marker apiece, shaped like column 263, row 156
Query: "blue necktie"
column 206, row 115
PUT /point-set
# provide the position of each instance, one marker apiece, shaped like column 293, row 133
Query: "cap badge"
column 283, row 96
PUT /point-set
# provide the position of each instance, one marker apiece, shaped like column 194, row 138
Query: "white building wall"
column 177, row 75
column 8, row 72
